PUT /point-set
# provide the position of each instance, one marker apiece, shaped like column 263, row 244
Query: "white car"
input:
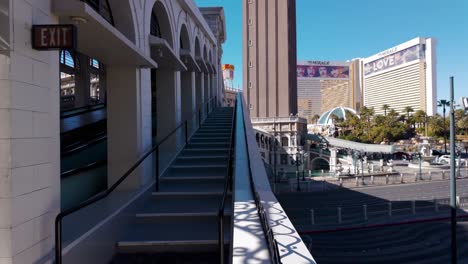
column 446, row 159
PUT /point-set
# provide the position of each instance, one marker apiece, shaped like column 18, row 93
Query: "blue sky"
column 346, row 29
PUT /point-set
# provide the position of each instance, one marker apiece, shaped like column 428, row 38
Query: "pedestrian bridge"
column 346, row 144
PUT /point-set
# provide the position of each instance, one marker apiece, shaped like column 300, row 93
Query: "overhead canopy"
column 189, row 60
column 95, row 36
column 202, row 65
column 163, row 54
column 213, row 68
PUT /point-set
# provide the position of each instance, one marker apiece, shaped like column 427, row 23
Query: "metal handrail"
column 269, row 235
column 102, row 195
column 227, row 185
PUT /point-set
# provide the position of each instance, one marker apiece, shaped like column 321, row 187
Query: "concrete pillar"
column 126, row 125
column 198, row 90
column 167, row 115
column 206, row 97
column 29, row 137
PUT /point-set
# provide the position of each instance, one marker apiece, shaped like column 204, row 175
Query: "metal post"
column 186, row 133
column 453, row 187
column 364, row 209
column 386, row 179
column 312, row 216
column 420, row 171
column 390, row 208
column 58, row 242
column 339, row 214
column 436, row 205
column 199, row 118
column 156, row 171
column 297, row 176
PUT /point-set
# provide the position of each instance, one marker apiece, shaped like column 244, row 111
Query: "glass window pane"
column 67, row 90
column 4, row 25
column 94, row 88
column 94, row 63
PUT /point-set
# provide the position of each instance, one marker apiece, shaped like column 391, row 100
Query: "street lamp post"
column 297, row 172
column 304, row 156
column 443, row 103
column 299, row 153
column 453, row 186
column 420, row 169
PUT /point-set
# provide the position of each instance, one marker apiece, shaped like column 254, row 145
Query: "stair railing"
column 273, row 248
column 227, row 185
column 102, row 195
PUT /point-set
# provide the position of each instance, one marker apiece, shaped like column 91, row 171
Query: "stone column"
column 126, row 125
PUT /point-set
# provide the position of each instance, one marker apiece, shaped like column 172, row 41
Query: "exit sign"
column 45, row 37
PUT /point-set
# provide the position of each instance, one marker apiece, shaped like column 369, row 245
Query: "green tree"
column 385, row 107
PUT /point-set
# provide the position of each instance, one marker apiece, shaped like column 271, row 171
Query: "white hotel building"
column 402, row 76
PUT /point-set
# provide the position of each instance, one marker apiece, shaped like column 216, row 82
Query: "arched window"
column 155, row 29
column 103, row 8
column 284, row 141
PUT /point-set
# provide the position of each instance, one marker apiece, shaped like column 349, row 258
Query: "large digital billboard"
column 323, row 71
column 398, row 58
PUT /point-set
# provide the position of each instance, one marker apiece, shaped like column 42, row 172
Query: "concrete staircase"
column 179, row 224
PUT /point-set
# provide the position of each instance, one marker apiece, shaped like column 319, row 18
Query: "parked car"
column 446, row 160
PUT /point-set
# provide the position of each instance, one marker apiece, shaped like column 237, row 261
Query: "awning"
column 214, row 68
column 163, row 54
column 202, row 65
column 189, row 60
column 210, row 67
column 98, row 39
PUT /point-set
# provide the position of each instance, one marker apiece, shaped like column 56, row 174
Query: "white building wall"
column 29, row 121
column 29, row 139
column 410, row 84
column 431, row 76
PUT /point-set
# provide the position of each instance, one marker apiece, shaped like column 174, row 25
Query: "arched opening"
column 318, row 164
column 123, row 18
column 198, row 78
column 185, row 77
column 163, row 88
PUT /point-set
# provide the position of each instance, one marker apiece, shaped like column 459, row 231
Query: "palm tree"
column 443, row 103
column 315, row 118
column 408, row 110
column 385, row 107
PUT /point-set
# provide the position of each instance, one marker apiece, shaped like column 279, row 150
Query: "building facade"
column 153, row 63
column 404, row 75
column 281, row 141
column 269, row 57
column 323, row 85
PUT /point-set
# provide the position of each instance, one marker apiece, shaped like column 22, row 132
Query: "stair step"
column 191, row 166
column 176, row 215
column 192, row 184
column 188, row 202
column 205, row 151
column 201, row 160
column 193, row 157
column 194, row 178
column 159, row 194
column 208, row 144
column 181, row 246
